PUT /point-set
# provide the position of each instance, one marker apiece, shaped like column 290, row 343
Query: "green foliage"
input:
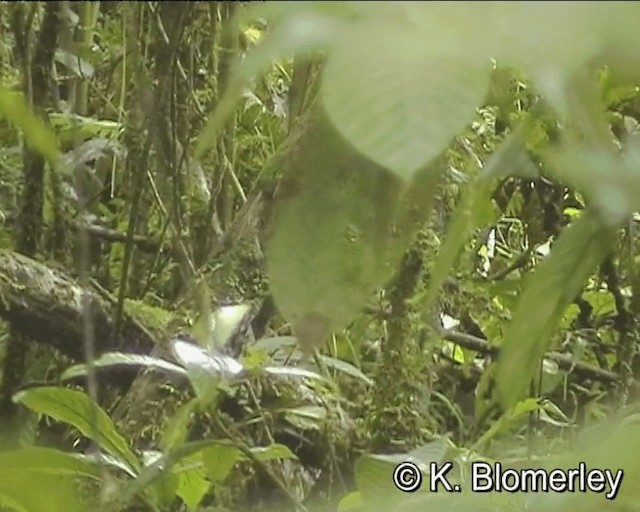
column 193, row 467
column 154, row 317
column 425, row 93
column 554, row 286
column 77, row 409
column 326, row 252
column 14, row 109
column 56, row 473
column 423, row 116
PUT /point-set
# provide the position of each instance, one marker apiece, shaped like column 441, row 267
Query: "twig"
column 143, row 243
column 565, row 362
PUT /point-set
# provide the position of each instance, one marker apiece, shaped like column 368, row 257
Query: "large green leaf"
column 192, row 482
column 220, row 457
column 553, row 286
column 77, row 409
column 55, row 474
column 36, row 491
column 399, row 88
column 567, row 36
column 340, row 224
column 219, row 461
column 177, row 427
column 610, row 181
column 48, row 460
column 15, row 110
column 346, row 368
column 373, row 474
column 190, row 457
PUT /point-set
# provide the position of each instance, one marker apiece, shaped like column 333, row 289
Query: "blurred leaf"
column 289, row 371
column 566, row 38
column 306, row 417
column 177, row 427
column 26, row 490
column 610, row 181
column 49, row 460
column 346, row 368
column 508, row 420
column 193, row 485
column 272, row 452
column 351, row 501
column 602, row 302
column 219, row 461
column 77, row 409
column 400, row 90
column 435, row 451
column 79, row 67
column 373, row 474
column 525, row 407
column 14, row 109
column 323, row 268
column 164, row 489
column 273, row 344
column 553, row 286
column 70, row 127
column 511, row 157
column 188, row 456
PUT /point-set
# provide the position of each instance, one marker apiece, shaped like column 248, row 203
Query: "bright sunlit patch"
column 197, row 358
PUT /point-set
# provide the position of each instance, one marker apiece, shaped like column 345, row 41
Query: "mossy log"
column 46, row 305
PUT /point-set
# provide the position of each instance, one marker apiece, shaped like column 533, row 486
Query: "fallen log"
column 46, row 305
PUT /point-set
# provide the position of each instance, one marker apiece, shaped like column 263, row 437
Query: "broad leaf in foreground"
column 77, row 409
column 551, row 289
column 339, row 225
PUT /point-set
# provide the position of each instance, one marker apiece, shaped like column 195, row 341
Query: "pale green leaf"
column 34, row 491
column 351, row 501
column 272, row 452
column 551, row 289
column 323, row 268
column 192, row 487
column 399, row 94
column 346, row 368
column 306, row 416
column 177, row 427
column 373, row 474
column 77, row 409
column 49, row 460
column 14, row 109
column 219, row 461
